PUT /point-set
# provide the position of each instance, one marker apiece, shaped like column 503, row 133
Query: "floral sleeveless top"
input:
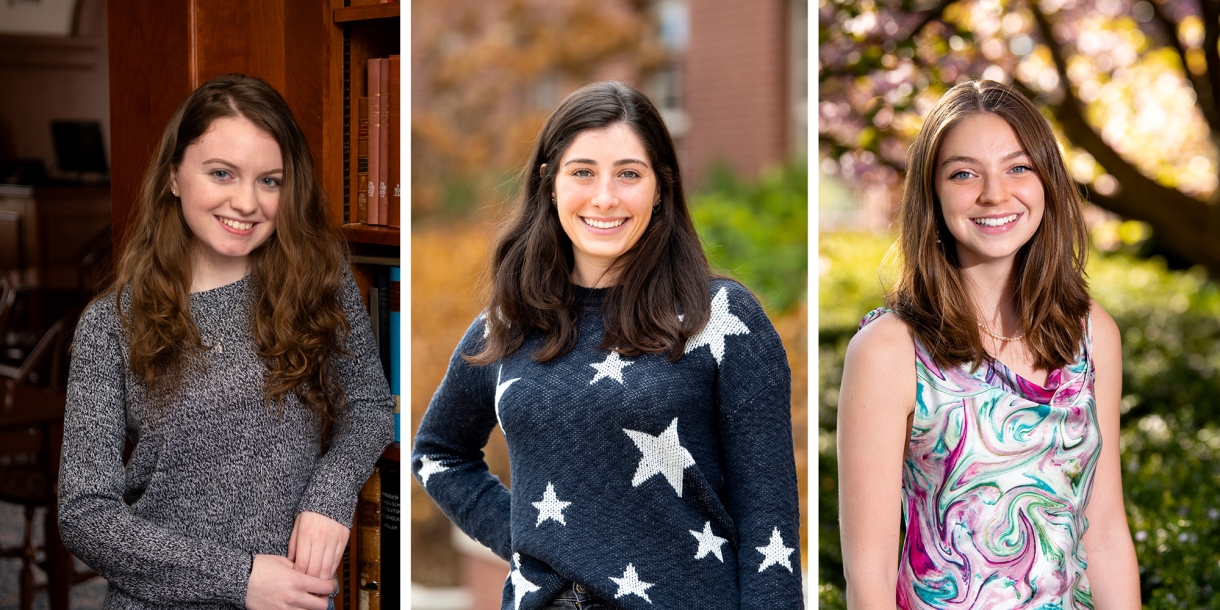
column 995, row 483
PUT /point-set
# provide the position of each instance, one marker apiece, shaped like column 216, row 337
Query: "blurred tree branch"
column 876, row 88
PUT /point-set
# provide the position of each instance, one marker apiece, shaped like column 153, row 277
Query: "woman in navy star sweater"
column 645, row 404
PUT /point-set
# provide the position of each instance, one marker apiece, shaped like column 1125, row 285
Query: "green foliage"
column 757, row 232
column 1170, row 435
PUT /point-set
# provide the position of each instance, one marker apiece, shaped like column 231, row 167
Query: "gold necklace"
column 1018, row 337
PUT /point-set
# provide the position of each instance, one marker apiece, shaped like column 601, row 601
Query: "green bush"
column 757, row 231
column 1170, row 437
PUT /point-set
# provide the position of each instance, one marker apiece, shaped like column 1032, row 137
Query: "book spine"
column 345, row 568
column 381, row 279
column 375, row 315
column 383, row 166
column 391, row 540
column 396, row 348
column 374, row 138
column 362, row 163
column 368, row 518
column 394, row 214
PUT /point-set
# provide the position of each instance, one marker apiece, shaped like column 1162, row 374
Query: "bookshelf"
column 312, row 51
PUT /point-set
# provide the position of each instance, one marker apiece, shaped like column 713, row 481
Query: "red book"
column 383, row 164
column 394, row 217
column 374, row 139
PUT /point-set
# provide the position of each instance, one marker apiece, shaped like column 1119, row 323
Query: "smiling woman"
column 979, row 409
column 233, row 350
column 645, row 403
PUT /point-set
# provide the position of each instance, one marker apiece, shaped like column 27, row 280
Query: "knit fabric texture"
column 216, row 475
column 654, row 484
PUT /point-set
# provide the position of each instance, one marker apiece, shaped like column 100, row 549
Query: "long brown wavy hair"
column 1051, row 294
column 299, row 325
column 665, row 274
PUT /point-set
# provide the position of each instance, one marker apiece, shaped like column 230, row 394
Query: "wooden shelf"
column 367, row 12
column 371, row 234
column 393, row 452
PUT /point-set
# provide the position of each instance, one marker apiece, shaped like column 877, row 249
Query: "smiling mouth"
column 995, row 222
column 240, row 226
column 603, row 224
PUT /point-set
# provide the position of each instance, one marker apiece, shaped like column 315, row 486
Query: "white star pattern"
column 500, row 388
column 719, row 325
column 630, row 584
column 708, row 542
column 521, row 586
column 611, row 368
column 661, row 454
column 775, row 553
column 429, row 467
column 550, row 507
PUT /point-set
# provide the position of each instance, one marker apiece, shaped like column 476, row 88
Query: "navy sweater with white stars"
column 654, row 484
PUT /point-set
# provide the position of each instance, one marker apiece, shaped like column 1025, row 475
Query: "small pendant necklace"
column 1016, row 337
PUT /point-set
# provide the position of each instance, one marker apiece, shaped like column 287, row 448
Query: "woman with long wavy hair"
column 234, row 352
column 979, row 409
column 645, row 403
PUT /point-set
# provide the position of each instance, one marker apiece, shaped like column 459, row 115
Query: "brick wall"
column 736, row 79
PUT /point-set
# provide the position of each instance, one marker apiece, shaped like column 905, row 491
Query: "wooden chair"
column 31, row 435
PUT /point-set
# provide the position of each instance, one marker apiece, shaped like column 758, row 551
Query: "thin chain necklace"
column 1017, row 337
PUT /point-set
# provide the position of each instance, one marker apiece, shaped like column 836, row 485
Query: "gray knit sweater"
column 215, row 475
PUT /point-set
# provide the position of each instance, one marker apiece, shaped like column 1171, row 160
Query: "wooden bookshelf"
column 312, row 51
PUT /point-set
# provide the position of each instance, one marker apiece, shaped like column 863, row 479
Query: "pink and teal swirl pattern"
column 995, row 482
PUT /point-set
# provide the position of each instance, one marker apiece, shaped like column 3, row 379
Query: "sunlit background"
column 1131, row 90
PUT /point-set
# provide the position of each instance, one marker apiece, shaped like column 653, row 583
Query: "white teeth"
column 995, row 222
column 598, row 224
column 240, row 226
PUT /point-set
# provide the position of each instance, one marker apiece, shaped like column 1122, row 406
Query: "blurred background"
column 1132, row 90
column 731, row 80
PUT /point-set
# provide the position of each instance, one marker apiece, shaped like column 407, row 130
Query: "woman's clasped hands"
column 305, row 578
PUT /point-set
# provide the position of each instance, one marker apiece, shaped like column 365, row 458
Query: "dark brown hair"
column 1051, row 293
column 296, row 275
column 665, row 274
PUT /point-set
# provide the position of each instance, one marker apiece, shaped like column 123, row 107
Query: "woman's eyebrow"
column 964, row 159
column 616, row 163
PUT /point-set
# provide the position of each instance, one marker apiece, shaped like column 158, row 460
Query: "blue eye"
column 1021, row 169
column 222, row 174
column 271, row 182
column 959, row 175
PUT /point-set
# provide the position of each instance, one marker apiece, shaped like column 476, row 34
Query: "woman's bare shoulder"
column 885, row 338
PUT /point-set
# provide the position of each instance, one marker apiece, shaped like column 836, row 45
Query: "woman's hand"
column 316, row 545
column 275, row 585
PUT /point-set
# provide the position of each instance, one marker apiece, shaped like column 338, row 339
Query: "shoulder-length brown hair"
column 661, row 296
column 296, row 275
column 1051, row 294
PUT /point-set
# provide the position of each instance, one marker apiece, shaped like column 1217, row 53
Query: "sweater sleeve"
column 448, row 458
column 755, row 424
column 358, row 440
column 142, row 559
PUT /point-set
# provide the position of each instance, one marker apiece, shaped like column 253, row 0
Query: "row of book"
column 372, row 555
column 386, row 317
column 376, row 187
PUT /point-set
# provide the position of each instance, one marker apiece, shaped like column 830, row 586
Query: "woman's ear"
column 542, row 170
column 173, row 181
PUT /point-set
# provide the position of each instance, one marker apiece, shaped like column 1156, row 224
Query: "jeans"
column 575, row 597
